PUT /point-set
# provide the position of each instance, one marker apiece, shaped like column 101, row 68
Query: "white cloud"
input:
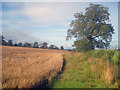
column 66, row 45
column 20, row 36
column 51, row 13
column 44, row 14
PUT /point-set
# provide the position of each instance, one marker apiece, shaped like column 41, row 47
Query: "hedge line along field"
column 26, row 67
column 93, row 69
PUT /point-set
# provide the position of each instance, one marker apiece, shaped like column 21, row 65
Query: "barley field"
column 26, row 67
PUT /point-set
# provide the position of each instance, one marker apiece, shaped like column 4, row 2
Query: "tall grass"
column 93, row 69
column 104, row 63
column 112, row 55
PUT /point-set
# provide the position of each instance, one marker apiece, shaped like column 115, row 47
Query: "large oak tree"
column 91, row 29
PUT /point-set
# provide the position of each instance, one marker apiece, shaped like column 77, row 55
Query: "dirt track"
column 26, row 67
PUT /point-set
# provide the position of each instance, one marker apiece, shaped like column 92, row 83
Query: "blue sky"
column 43, row 21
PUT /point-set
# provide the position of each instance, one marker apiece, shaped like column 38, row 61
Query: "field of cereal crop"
column 26, row 67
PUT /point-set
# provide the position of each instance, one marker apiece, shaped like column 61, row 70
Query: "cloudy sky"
column 47, row 21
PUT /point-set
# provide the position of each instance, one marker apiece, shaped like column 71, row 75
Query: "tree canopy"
column 36, row 45
column 62, row 48
column 26, row 44
column 91, row 29
column 53, row 47
column 20, row 44
column 10, row 43
column 44, row 45
column 2, row 41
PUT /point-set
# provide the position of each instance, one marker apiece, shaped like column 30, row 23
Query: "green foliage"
column 82, row 71
column 86, row 58
column 56, row 48
column 2, row 41
column 91, row 29
column 53, row 47
column 45, row 45
column 98, row 53
column 36, row 45
column 10, row 43
column 20, row 44
column 82, row 45
column 26, row 44
column 108, row 55
column 116, row 57
column 77, row 75
column 112, row 55
column 15, row 44
column 62, row 48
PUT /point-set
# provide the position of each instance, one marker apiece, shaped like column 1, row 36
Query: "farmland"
column 59, row 45
column 27, row 67
column 35, row 68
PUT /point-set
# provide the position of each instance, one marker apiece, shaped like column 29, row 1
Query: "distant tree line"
column 30, row 45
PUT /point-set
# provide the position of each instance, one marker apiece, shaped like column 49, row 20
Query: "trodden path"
column 27, row 67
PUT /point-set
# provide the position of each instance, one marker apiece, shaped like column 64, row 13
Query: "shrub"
column 86, row 58
column 112, row 55
column 108, row 55
column 116, row 57
column 98, row 53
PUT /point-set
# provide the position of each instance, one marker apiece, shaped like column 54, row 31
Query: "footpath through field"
column 77, row 74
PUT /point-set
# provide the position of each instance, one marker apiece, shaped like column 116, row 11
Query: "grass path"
column 77, row 74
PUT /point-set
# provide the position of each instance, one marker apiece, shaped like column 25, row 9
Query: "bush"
column 86, row 58
column 116, row 57
column 98, row 53
column 111, row 55
column 108, row 55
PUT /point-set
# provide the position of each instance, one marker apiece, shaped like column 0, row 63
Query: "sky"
column 47, row 21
